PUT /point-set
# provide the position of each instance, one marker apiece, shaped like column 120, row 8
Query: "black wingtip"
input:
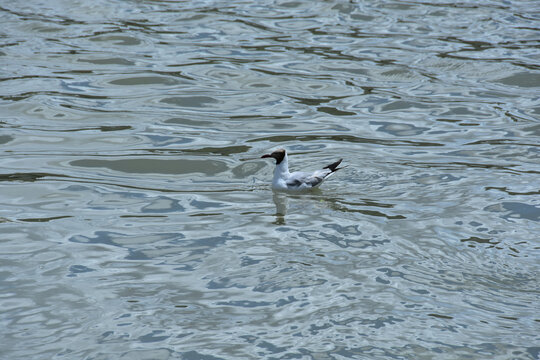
column 334, row 166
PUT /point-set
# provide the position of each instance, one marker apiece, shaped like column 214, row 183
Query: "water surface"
column 137, row 218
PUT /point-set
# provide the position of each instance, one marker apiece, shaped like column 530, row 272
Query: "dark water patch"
column 28, row 177
column 273, row 349
column 108, row 61
column 206, row 214
column 145, row 80
column 509, row 192
column 439, row 316
column 392, row 273
column 190, row 101
column 153, row 336
column 340, row 205
column 4, row 139
column 522, row 79
column 502, row 142
column 454, row 165
column 45, row 219
column 345, row 230
column 478, row 240
column 155, row 166
column 79, row 269
column 121, row 40
column 533, row 130
column 342, row 138
column 191, row 123
column 449, row 120
column 376, row 323
column 318, row 101
column 224, row 283
column 124, row 240
column 223, row 151
column 31, row 94
column 334, row 111
column 521, row 210
column 105, row 128
column 248, row 261
column 195, row 355
column 259, row 117
column 115, row 128
column 515, row 210
column 143, row 216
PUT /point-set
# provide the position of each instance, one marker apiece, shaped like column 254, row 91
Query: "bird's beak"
column 266, row 156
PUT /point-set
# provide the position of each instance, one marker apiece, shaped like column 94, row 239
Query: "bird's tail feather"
column 334, row 166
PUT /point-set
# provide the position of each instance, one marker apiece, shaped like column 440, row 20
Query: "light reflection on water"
column 137, row 218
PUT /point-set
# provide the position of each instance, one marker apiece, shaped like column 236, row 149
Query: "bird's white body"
column 284, row 180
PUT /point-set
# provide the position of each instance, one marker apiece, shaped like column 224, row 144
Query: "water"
column 137, row 219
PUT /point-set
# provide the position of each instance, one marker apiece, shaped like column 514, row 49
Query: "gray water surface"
column 137, row 219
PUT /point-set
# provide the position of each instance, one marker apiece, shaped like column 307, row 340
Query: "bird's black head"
column 279, row 155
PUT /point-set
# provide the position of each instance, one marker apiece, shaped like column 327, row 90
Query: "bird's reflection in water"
column 281, row 200
column 282, row 205
column 315, row 200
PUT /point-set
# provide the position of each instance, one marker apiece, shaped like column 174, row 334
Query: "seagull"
column 299, row 180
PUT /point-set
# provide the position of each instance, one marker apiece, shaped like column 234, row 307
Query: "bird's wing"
column 302, row 179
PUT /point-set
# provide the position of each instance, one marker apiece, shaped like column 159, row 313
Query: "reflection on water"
column 282, row 204
column 137, row 218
